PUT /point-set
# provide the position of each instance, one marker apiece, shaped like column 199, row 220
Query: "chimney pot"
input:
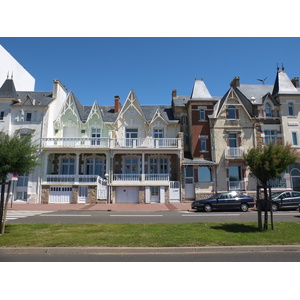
column 174, row 93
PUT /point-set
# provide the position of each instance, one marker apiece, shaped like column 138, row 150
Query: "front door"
column 82, row 194
column 154, row 194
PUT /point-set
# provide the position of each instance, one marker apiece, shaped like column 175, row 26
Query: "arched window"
column 204, row 174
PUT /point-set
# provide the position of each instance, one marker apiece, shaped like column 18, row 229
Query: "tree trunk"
column 5, row 208
column 2, row 202
column 266, row 205
column 258, row 203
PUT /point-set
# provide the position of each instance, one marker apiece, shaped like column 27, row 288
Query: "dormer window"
column 268, row 110
column 232, row 112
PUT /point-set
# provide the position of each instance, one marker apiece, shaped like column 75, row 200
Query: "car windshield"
column 274, row 195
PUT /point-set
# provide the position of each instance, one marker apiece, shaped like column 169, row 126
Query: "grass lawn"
column 148, row 235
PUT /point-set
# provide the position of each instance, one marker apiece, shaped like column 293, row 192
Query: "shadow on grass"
column 236, row 228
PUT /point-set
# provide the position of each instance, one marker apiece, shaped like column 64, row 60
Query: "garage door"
column 60, row 194
column 127, row 194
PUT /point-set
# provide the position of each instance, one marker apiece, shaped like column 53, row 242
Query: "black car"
column 224, row 201
column 285, row 200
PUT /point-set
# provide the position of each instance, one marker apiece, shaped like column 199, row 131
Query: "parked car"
column 224, row 201
column 285, row 200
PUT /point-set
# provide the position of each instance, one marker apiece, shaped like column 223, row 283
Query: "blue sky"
column 97, row 68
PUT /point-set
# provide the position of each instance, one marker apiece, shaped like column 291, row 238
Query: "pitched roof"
column 283, row 85
column 200, row 91
column 8, row 90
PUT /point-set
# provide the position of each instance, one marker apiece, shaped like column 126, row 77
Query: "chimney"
column 174, row 93
column 295, row 81
column 235, row 82
column 117, row 104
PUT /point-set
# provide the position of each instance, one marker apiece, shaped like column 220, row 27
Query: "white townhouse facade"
column 28, row 113
column 127, row 153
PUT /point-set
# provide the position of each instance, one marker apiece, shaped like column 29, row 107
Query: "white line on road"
column 136, row 215
column 67, row 215
column 210, row 215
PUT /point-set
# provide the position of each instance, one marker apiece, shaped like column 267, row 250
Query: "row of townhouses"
column 134, row 153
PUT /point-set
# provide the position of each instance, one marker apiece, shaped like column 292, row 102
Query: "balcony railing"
column 237, row 185
column 110, row 143
column 141, row 177
column 74, row 179
column 75, row 142
column 234, row 152
column 146, row 143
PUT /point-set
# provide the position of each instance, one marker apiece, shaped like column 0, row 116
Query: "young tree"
column 17, row 155
column 267, row 163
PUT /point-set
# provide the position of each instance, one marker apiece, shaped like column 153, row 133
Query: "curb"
column 147, row 250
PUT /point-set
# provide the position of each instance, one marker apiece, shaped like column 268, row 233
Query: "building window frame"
column 295, row 140
column 232, row 112
column 291, row 109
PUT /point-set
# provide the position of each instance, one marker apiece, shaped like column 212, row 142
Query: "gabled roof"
column 8, row 90
column 283, row 85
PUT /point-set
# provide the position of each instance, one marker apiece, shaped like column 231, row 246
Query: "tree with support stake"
column 267, row 163
column 17, row 155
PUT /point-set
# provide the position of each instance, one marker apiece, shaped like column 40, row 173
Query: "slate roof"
column 283, row 85
column 8, row 89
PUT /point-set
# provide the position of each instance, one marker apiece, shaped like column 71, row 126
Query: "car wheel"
column 207, row 208
column 244, row 207
column 274, row 206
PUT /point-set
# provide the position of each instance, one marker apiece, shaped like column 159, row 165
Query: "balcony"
column 146, row 143
column 74, row 179
column 75, row 142
column 140, row 178
column 234, row 152
column 114, row 143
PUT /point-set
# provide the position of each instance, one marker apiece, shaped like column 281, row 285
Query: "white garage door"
column 60, row 194
column 127, row 194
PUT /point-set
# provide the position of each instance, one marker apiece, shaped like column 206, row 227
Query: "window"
column 131, row 165
column 268, row 110
column 131, row 134
column 22, row 180
column 234, row 173
column 159, row 166
column 21, row 195
column 202, row 114
column 295, row 138
column 270, row 136
column 68, row 166
column 203, row 144
column 158, row 133
column 96, row 133
column 28, row 117
column 231, row 112
column 204, row 174
column 95, row 167
column 1, row 115
column 291, row 108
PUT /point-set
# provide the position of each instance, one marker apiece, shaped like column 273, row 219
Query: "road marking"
column 13, row 214
column 136, row 215
column 67, row 215
column 210, row 215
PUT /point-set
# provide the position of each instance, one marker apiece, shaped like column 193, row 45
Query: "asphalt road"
column 238, row 254
column 92, row 216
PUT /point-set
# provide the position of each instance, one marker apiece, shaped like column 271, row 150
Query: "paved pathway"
column 106, row 207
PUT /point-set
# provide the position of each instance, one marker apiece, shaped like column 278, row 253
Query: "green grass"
column 148, row 235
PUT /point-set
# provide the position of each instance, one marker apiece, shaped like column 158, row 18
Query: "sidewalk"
column 105, row 207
